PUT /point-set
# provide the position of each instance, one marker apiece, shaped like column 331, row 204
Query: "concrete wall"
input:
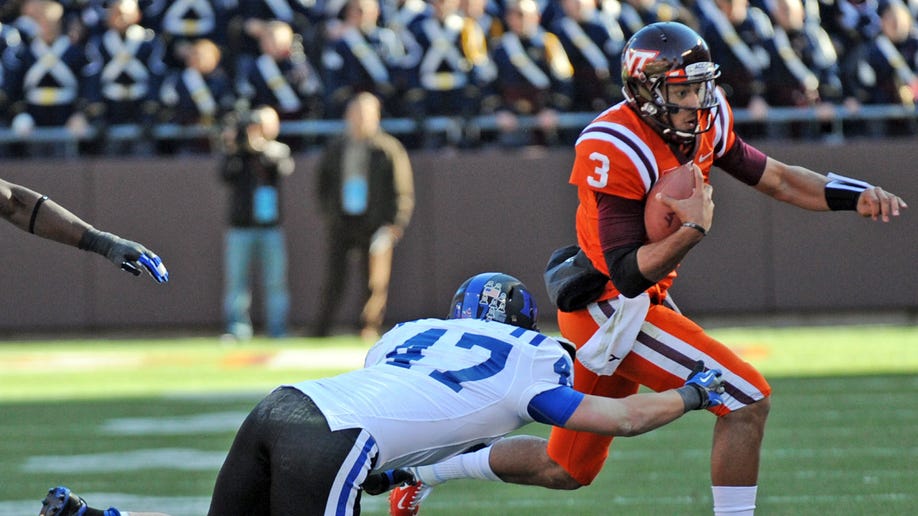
column 487, row 210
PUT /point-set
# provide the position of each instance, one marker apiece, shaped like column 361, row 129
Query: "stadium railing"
column 454, row 129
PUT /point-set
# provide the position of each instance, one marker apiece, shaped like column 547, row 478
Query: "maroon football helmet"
column 660, row 55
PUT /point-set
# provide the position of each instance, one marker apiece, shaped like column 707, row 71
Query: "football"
column 659, row 220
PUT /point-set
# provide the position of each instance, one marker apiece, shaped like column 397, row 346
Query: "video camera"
column 240, row 119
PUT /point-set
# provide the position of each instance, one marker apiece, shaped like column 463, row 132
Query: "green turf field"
column 145, row 424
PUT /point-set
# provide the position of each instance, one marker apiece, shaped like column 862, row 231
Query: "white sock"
column 734, row 500
column 467, row 465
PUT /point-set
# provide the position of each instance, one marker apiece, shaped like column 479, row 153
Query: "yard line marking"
column 183, row 459
column 326, row 358
column 177, row 425
column 72, row 360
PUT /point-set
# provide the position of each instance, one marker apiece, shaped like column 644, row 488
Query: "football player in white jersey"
column 431, row 389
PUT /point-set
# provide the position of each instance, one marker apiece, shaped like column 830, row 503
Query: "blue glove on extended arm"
column 128, row 255
column 702, row 389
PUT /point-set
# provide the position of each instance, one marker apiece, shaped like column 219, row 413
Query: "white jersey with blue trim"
column 434, row 388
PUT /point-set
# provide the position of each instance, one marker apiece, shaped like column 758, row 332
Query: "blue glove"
column 154, row 266
column 708, row 384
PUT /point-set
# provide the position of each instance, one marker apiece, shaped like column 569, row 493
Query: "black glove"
column 128, row 255
column 379, row 483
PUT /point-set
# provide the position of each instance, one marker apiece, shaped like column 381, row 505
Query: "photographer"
column 253, row 166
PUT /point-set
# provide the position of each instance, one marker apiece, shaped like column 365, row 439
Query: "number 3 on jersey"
column 600, row 176
column 413, row 349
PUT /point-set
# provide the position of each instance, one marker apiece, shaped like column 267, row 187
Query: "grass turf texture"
column 152, row 420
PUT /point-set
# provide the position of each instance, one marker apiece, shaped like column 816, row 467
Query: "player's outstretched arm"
column 524, row 459
column 30, row 211
column 807, row 189
column 643, row 412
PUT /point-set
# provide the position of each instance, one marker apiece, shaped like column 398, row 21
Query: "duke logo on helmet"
column 494, row 296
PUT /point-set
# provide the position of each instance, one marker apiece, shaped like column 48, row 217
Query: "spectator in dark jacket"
column 366, row 192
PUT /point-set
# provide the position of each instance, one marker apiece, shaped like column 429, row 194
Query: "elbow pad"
column 624, row 271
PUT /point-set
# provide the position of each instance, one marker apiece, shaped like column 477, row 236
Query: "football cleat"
column 60, row 501
column 405, row 500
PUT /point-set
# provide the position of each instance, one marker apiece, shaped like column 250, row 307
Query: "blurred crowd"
column 83, row 64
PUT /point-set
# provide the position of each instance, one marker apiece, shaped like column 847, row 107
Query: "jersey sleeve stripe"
column 538, row 339
column 629, row 144
column 720, row 125
column 521, row 334
column 518, row 332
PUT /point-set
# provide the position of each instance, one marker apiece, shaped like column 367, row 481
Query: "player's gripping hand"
column 379, row 483
column 702, row 389
column 126, row 254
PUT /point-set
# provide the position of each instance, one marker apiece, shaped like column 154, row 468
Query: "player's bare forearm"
column 794, row 185
column 30, row 211
column 629, row 416
column 658, row 259
column 50, row 220
column 806, row 189
column 696, row 213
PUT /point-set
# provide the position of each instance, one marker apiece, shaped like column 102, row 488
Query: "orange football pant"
column 664, row 352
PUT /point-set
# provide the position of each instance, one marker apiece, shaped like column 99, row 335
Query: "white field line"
column 333, row 357
column 176, row 425
column 181, row 459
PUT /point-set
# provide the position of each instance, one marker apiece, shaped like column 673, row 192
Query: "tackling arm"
column 524, row 459
column 643, row 412
column 629, row 416
column 19, row 205
column 30, row 211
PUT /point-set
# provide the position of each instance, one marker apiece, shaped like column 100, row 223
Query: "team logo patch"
column 636, row 59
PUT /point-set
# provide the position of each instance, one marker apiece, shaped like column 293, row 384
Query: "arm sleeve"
column 621, row 223
column 625, row 273
column 744, row 162
column 555, row 406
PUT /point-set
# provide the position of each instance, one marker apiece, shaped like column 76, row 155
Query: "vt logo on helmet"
column 667, row 68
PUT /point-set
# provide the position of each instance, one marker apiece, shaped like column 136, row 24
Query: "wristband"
column 693, row 397
column 843, row 192
column 38, row 204
column 697, row 227
column 96, row 241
